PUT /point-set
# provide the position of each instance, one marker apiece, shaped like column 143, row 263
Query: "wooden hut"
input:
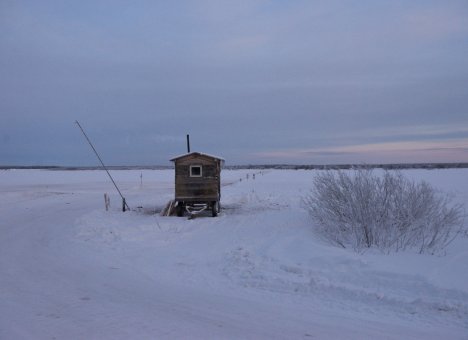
column 197, row 183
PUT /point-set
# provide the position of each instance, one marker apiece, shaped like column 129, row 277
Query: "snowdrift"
column 70, row 269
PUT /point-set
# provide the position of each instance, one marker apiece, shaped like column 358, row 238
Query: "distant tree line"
column 398, row 166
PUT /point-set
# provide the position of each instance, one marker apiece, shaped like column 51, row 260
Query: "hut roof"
column 197, row 154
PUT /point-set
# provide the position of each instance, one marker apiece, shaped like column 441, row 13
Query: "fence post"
column 106, row 201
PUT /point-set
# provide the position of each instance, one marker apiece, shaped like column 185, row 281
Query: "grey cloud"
column 240, row 77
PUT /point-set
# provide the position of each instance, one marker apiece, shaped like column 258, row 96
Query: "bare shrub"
column 361, row 210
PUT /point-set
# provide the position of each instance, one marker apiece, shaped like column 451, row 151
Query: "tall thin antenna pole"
column 100, row 160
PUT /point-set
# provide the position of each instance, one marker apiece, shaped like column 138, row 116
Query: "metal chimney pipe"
column 188, row 143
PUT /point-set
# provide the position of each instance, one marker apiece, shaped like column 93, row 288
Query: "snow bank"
column 256, row 271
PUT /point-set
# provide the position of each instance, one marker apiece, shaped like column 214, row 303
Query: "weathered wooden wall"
column 204, row 188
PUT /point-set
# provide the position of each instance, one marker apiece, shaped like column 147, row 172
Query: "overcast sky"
column 255, row 82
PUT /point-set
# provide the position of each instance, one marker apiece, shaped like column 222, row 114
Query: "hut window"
column 195, row 170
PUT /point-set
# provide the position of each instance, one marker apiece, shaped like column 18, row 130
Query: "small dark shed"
column 197, row 183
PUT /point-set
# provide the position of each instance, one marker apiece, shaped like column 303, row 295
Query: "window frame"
column 196, row 166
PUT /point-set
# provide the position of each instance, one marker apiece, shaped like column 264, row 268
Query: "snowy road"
column 68, row 269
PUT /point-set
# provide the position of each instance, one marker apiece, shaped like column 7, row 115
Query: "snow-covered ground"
column 71, row 270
